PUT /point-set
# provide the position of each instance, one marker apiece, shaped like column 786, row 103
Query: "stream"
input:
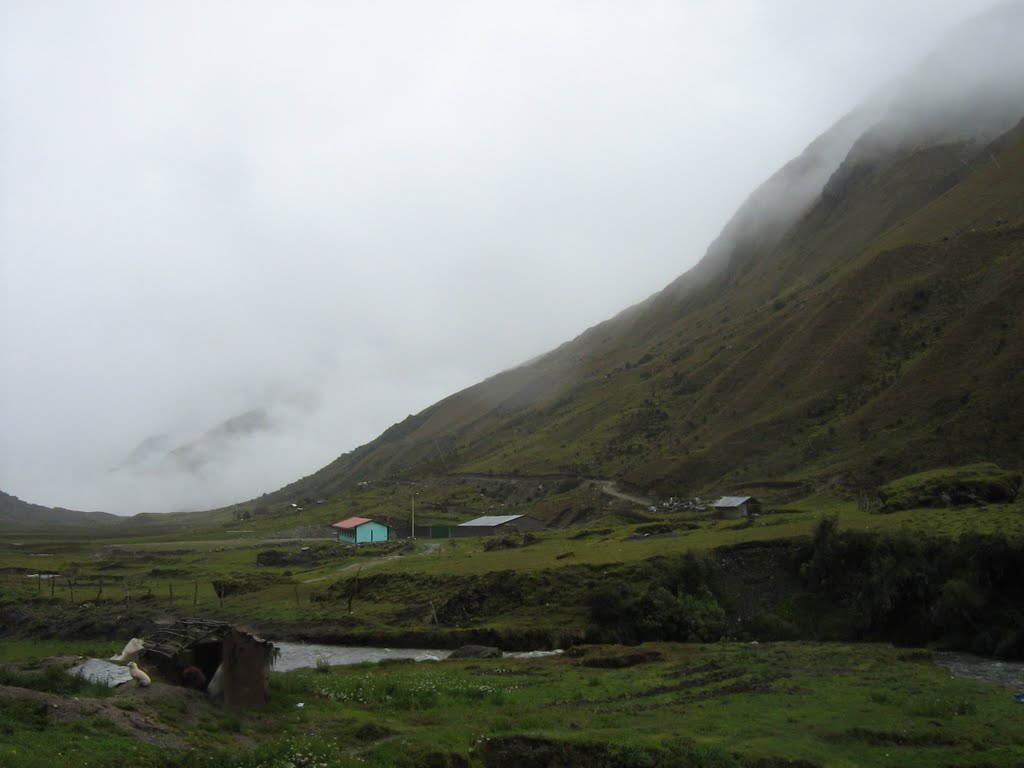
column 302, row 655
column 1008, row 673
column 306, row 655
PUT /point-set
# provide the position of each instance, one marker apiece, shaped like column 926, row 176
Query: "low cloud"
column 208, row 209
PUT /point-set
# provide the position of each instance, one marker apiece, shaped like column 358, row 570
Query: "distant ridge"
column 162, row 453
column 14, row 510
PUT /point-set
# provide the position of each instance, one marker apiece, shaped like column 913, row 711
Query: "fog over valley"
column 237, row 240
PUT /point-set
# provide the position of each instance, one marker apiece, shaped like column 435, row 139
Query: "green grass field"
column 175, row 573
column 675, row 704
column 681, row 704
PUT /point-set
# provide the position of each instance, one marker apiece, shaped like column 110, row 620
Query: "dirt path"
column 429, row 549
column 352, row 567
column 608, row 488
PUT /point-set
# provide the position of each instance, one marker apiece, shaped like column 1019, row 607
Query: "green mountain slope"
column 857, row 317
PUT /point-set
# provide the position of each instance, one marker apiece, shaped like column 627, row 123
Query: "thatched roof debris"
column 183, row 635
column 191, row 646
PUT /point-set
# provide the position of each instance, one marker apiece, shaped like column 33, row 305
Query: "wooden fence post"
column 353, row 588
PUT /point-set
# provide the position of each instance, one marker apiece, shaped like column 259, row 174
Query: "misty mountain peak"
column 971, row 87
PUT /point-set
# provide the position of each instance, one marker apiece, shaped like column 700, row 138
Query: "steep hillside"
column 881, row 337
column 856, row 317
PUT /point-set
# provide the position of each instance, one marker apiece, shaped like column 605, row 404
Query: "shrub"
column 910, row 588
column 677, row 606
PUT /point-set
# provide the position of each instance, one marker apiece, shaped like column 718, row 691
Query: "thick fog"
column 315, row 218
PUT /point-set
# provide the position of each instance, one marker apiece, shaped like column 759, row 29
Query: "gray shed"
column 736, row 506
column 491, row 524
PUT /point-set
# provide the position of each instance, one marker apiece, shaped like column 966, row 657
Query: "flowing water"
column 300, row 655
column 1008, row 673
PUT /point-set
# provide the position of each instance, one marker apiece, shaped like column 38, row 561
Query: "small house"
column 361, row 530
column 492, row 524
column 736, row 506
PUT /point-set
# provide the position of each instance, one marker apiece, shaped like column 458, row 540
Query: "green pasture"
column 176, row 574
column 656, row 704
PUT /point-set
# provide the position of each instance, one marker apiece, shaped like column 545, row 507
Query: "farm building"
column 361, row 530
column 736, row 506
column 491, row 524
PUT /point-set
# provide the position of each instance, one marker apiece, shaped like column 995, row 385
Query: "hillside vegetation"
column 878, row 336
column 857, row 320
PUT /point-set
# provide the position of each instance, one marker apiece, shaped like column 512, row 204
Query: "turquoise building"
column 361, row 530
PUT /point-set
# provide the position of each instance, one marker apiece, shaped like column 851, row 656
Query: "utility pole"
column 413, row 532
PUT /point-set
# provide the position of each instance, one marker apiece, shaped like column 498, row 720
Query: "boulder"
column 476, row 652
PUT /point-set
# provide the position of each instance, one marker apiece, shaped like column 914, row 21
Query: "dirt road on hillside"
column 429, row 549
column 608, row 488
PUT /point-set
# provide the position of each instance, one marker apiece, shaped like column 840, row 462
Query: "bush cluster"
column 678, row 602
column 913, row 589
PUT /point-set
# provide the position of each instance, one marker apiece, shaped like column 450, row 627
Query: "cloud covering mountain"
column 210, row 210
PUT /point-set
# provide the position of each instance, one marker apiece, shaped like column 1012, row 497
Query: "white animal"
column 130, row 652
column 140, row 677
column 216, row 687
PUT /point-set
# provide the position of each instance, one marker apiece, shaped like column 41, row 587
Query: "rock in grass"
column 623, row 660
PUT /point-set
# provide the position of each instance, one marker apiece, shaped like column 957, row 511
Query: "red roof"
column 352, row 522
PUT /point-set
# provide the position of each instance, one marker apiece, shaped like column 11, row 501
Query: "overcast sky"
column 344, row 212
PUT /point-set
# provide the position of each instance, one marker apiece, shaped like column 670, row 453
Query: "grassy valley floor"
column 668, row 574
column 657, row 704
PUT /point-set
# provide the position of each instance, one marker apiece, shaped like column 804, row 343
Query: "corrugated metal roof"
column 492, row 520
column 732, row 501
column 352, row 522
